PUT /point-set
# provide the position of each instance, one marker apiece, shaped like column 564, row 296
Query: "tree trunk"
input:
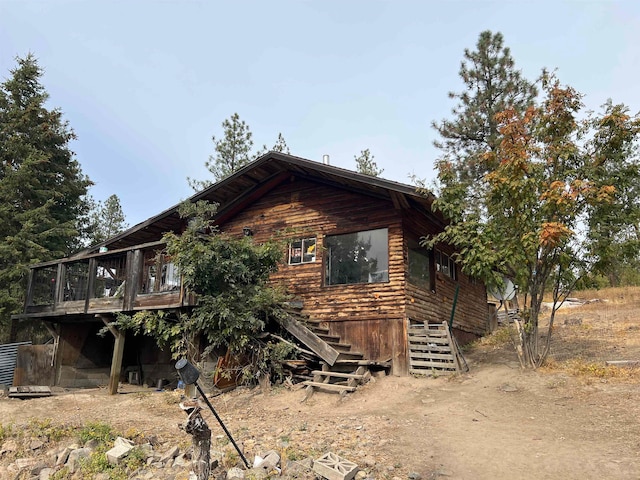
column 200, row 432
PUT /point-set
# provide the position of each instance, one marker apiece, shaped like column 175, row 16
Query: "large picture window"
column 360, row 257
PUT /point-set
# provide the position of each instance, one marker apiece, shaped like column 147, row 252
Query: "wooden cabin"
column 354, row 263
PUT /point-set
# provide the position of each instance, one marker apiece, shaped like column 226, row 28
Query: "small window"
column 446, row 265
column 302, row 251
column 361, row 257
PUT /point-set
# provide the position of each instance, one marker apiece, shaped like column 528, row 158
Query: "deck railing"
column 137, row 278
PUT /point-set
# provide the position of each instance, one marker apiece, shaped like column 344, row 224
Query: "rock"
column 76, row 455
column 91, row 444
column 235, row 473
column 37, row 468
column 361, row 475
column 118, row 452
column 8, row 447
column 170, row 454
column 63, row 456
column 22, row 463
column 36, row 444
column 45, row 473
column 369, row 461
column 508, row 388
column 181, row 461
column 415, row 476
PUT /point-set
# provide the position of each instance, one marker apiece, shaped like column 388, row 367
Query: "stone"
column 91, row 444
column 36, row 444
column 118, row 452
column 74, row 456
column 333, row 467
column 122, row 442
column 235, row 473
column 37, row 468
column 361, row 475
column 23, row 463
column 63, row 456
column 170, row 454
column 415, row 476
column 8, row 447
column 181, row 461
column 45, row 473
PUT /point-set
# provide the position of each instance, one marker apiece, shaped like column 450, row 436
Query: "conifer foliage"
column 42, row 187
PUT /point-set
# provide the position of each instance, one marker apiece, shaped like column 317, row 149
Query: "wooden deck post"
column 116, row 360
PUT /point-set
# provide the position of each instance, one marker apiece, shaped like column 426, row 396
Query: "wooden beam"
column 311, row 340
column 116, row 360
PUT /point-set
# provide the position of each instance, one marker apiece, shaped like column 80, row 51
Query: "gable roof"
column 256, row 179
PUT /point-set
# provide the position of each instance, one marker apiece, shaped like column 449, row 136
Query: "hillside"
column 575, row 418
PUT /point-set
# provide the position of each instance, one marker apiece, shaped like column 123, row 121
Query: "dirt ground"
column 575, row 419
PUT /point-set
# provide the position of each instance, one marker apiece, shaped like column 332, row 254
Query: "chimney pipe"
column 325, row 159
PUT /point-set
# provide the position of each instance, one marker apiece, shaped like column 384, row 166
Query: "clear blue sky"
column 146, row 84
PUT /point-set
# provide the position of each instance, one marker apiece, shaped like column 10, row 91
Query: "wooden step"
column 328, row 338
column 350, row 356
column 341, row 347
column 362, row 363
column 338, row 374
column 319, row 330
column 330, row 386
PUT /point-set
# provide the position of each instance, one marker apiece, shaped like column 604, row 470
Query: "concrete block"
column 117, row 453
column 333, row 467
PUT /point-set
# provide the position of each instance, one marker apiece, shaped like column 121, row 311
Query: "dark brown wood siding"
column 471, row 313
column 369, row 316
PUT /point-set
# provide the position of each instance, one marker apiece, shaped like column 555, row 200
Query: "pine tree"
column 42, row 188
column 366, row 165
column 106, row 220
column 281, row 145
column 492, row 85
column 232, row 151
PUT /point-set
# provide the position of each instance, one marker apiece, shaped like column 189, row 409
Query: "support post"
column 200, row 432
column 116, row 360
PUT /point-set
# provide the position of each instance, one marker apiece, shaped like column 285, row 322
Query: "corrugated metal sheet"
column 8, row 355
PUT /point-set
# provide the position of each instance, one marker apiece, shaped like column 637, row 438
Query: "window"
column 160, row 274
column 361, row 257
column 419, row 266
column 445, row 265
column 302, row 251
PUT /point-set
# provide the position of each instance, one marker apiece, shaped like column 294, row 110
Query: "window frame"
column 414, row 248
column 445, row 265
column 304, row 246
column 328, row 259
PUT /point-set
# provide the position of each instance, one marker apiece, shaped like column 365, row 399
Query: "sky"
column 146, row 84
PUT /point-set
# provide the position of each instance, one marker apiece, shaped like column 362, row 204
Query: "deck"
column 127, row 280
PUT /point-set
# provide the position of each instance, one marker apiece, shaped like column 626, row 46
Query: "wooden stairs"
column 342, row 368
column 433, row 350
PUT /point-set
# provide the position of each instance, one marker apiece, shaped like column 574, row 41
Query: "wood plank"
column 311, row 340
column 435, row 341
column 338, row 374
column 451, row 342
column 330, row 386
column 433, row 356
column 429, row 348
column 435, row 365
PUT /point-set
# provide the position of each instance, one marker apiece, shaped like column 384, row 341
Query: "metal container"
column 188, row 373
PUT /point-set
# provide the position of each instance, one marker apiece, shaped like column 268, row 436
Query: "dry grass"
column 584, row 338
